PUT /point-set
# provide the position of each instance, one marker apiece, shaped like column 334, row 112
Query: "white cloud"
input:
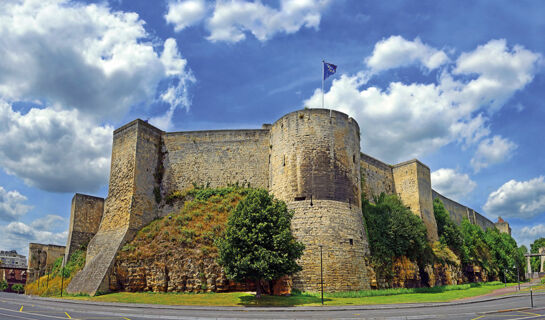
column 17, row 235
column 517, row 199
column 82, row 56
column 492, row 151
column 12, row 205
column 452, row 184
column 49, row 222
column 55, row 151
column 404, row 121
column 183, row 14
column 397, row 52
column 231, row 20
column 527, row 235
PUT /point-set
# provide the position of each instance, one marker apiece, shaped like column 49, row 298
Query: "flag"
column 329, row 69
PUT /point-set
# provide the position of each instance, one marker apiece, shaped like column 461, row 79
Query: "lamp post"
column 322, row 274
column 62, row 274
column 518, row 275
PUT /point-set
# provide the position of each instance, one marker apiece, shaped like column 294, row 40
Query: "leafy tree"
column 3, row 285
column 394, row 231
column 534, row 248
column 19, row 288
column 258, row 243
column 449, row 233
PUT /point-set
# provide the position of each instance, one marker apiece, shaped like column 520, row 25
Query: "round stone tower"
column 315, row 168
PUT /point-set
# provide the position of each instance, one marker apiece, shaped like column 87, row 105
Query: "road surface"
column 21, row 307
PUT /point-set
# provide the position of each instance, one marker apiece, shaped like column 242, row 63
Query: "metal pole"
column 323, row 74
column 321, row 274
column 504, row 277
column 531, row 296
column 518, row 275
column 62, row 274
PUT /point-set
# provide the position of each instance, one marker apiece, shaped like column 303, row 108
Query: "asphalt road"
column 22, row 307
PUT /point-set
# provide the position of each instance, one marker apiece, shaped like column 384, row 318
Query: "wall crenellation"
column 309, row 158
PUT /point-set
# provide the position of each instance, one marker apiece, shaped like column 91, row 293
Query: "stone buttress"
column 129, row 206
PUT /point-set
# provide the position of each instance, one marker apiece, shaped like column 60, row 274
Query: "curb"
column 277, row 309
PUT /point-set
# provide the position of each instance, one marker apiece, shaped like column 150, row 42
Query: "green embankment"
column 368, row 297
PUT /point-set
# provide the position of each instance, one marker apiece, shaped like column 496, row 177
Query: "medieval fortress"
column 309, row 158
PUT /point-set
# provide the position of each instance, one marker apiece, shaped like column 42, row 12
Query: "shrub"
column 3, row 285
column 19, row 288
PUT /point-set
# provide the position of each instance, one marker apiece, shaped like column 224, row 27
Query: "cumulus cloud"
column 49, row 222
column 527, row 235
column 12, row 205
column 16, row 236
column 55, row 151
column 397, row 52
column 404, row 121
column 491, row 151
column 183, row 14
column 82, row 56
column 452, row 184
column 518, row 199
column 230, row 21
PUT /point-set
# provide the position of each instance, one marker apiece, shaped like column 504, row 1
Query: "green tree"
column 449, row 233
column 534, row 248
column 3, row 285
column 19, row 288
column 258, row 243
column 394, row 231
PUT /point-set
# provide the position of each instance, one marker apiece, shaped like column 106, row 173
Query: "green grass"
column 368, row 297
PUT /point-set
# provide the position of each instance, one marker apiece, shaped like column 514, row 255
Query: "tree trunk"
column 258, row 289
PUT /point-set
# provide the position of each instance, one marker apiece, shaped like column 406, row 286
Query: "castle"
column 309, row 158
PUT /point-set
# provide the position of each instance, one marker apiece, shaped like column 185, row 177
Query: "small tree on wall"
column 258, row 243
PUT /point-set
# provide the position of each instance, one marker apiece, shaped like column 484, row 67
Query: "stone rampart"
column 309, row 158
column 41, row 258
column 215, row 158
column 377, row 177
column 458, row 212
column 413, row 185
column 85, row 215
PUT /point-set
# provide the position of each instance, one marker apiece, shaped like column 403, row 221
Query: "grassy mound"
column 193, row 229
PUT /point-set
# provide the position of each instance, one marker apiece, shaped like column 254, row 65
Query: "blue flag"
column 329, row 69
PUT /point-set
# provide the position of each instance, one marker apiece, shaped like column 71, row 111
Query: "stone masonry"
column 309, row 158
column 41, row 258
column 85, row 215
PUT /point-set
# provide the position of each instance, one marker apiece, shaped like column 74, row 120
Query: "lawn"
column 436, row 294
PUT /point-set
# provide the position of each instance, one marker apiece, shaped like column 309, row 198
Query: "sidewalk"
column 505, row 291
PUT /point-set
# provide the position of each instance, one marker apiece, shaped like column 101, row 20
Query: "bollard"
column 531, row 297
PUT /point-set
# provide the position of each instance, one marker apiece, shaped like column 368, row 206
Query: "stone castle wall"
column 413, row 185
column 215, row 158
column 85, row 215
column 41, row 258
column 315, row 169
column 458, row 212
column 377, row 177
column 309, row 158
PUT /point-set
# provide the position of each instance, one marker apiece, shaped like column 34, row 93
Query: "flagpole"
column 323, row 73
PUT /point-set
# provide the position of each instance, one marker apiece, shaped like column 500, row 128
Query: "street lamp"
column 62, row 274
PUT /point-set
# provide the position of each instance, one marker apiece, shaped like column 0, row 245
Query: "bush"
column 394, row 231
column 3, row 285
column 19, row 288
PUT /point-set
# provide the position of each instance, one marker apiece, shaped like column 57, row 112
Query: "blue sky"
column 456, row 84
